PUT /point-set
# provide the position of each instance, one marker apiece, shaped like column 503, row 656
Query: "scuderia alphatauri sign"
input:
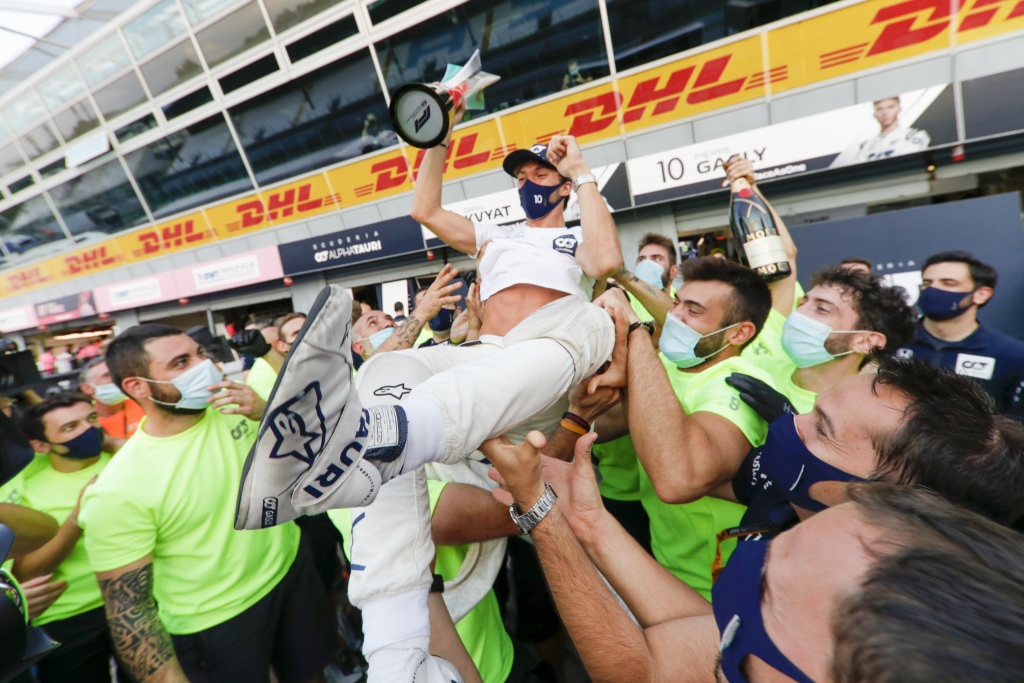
column 503, row 207
column 902, row 124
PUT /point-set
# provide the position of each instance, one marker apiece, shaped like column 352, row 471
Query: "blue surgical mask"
column 193, row 385
column 679, row 342
column 803, row 340
column 736, row 602
column 443, row 320
column 109, row 394
column 938, row 304
column 650, row 272
column 793, row 469
column 86, row 445
column 536, row 199
column 378, row 338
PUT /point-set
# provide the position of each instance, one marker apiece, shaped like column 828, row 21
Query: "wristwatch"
column 539, row 511
column 646, row 324
column 588, row 178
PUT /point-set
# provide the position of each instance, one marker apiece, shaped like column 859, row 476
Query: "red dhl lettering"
column 597, row 113
column 90, row 259
column 462, row 154
column 390, row 173
column 252, row 213
column 286, row 203
column 911, row 28
column 170, row 236
column 24, row 279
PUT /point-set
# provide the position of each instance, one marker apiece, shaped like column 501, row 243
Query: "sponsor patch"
column 298, row 426
column 396, row 391
column 565, row 244
column 269, row 512
column 980, row 367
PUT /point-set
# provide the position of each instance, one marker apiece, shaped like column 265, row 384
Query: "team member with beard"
column 186, row 596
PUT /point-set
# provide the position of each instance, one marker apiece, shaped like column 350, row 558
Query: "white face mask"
column 193, row 385
column 108, row 394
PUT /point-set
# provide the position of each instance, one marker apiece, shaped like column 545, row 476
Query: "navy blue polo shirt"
column 993, row 359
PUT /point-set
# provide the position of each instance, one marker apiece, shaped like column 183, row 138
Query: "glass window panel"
column 532, row 46
column 188, row 103
column 382, row 10
column 21, row 183
column 173, row 67
column 194, row 166
column 249, row 73
column 645, row 31
column 27, row 228
column 39, row 141
column 233, row 35
column 10, row 159
column 104, row 60
column 62, row 87
column 287, row 13
column 154, row 29
column 199, row 11
column 25, row 111
column 76, row 120
column 335, row 113
column 129, row 131
column 324, row 38
column 53, row 168
column 120, row 96
column 101, row 200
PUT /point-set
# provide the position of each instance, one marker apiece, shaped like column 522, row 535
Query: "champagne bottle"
column 754, row 228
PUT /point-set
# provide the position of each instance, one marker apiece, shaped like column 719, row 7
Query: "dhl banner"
column 801, row 53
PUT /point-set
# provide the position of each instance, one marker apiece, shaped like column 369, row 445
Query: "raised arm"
column 600, row 255
column 784, row 290
column 607, row 640
column 141, row 642
column 438, row 294
column 455, row 230
column 686, row 456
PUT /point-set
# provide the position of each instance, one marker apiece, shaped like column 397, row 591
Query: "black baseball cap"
column 517, row 158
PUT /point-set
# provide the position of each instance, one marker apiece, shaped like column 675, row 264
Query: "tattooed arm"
column 438, row 294
column 141, row 642
column 657, row 302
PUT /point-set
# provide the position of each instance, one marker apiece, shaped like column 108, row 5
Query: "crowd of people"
column 679, row 472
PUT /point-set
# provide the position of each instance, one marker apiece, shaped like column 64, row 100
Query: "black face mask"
column 443, row 320
column 86, row 445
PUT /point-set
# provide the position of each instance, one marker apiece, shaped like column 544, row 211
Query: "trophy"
column 422, row 113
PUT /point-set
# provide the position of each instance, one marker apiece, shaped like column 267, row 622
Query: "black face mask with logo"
column 443, row 320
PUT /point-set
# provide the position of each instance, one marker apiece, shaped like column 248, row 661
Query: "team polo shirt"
column 993, row 359
column 683, row 536
column 261, row 378
column 616, row 459
column 482, row 630
column 175, row 497
column 123, row 424
column 56, row 493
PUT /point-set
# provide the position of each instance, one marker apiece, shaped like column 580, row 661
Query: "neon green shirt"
column 482, row 630
column 768, row 344
column 425, row 334
column 616, row 460
column 683, row 536
column 261, row 378
column 56, row 493
column 782, row 381
column 13, row 492
column 175, row 497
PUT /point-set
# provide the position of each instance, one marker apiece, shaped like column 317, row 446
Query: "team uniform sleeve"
column 719, row 398
column 118, row 529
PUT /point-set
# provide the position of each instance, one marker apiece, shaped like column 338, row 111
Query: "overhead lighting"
column 82, row 335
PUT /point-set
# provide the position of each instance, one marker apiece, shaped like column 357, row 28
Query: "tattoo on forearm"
column 141, row 641
column 634, row 281
column 408, row 332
